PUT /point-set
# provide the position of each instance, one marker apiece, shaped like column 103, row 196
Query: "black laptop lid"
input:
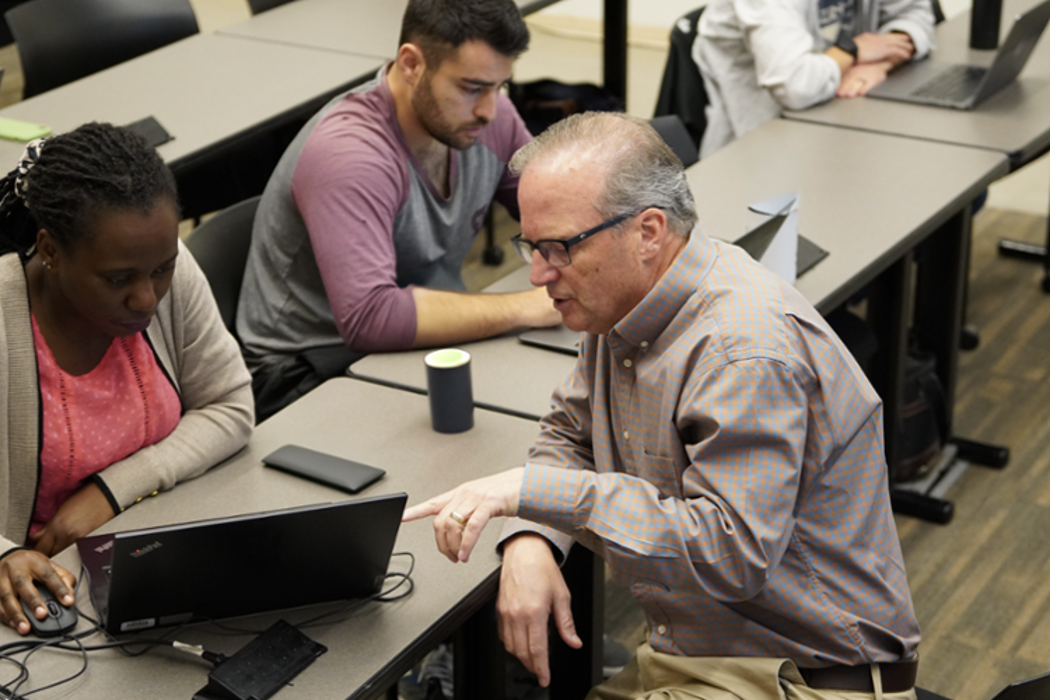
column 1037, row 688
column 248, row 564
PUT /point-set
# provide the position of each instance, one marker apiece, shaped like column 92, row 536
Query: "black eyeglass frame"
column 526, row 247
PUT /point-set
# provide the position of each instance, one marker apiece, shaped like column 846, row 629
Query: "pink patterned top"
column 93, row 420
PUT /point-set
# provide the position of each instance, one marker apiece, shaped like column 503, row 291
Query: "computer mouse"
column 59, row 620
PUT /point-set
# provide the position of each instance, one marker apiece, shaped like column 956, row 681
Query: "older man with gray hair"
column 716, row 445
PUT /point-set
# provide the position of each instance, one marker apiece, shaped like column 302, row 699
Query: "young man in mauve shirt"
column 364, row 225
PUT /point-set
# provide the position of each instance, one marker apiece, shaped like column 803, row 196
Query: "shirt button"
column 661, row 629
column 645, row 343
column 627, row 363
column 626, row 435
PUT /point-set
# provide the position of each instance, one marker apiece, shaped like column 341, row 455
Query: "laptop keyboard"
column 952, row 85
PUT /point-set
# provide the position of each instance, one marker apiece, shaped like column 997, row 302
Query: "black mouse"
column 59, row 620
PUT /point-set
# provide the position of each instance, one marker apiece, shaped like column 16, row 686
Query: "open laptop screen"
column 236, row 566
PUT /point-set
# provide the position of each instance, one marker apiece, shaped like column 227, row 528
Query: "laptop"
column 228, row 567
column 557, row 338
column 962, row 86
column 1037, row 688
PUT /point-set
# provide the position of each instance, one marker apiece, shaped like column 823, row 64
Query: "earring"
column 46, row 264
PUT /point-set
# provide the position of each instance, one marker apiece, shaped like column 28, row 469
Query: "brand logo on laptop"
column 143, row 551
column 104, row 547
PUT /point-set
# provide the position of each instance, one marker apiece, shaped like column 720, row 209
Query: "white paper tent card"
column 772, row 235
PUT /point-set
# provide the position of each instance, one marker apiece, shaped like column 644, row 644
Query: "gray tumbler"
column 448, row 385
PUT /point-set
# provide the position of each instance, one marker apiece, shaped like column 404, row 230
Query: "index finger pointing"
column 424, row 510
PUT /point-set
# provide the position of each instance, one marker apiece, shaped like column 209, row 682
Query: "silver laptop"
column 962, row 86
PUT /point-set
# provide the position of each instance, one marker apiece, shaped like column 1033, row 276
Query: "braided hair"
column 64, row 180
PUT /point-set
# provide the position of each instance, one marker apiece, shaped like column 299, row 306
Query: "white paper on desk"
column 781, row 255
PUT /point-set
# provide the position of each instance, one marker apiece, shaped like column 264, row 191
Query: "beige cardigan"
column 194, row 348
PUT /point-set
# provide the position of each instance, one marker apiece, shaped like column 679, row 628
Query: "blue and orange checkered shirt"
column 723, row 453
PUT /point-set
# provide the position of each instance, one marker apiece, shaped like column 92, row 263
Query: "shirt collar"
column 646, row 321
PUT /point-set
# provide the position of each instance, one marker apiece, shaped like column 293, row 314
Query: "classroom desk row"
column 1014, row 121
column 370, row 648
column 217, row 91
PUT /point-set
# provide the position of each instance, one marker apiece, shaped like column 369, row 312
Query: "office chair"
column 676, row 136
column 5, row 32
column 220, row 246
column 682, row 90
column 257, row 6
column 63, row 40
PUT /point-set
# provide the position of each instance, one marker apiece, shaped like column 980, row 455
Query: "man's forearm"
column 444, row 317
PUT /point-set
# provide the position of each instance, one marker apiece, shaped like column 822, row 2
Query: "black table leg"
column 940, row 305
column 575, row 671
column 1030, row 251
column 614, row 63
column 480, row 666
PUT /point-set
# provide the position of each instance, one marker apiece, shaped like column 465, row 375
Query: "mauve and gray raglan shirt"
column 348, row 223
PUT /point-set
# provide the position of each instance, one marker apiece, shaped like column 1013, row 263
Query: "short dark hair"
column 77, row 174
column 439, row 27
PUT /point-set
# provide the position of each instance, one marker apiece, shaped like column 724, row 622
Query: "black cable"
column 72, row 642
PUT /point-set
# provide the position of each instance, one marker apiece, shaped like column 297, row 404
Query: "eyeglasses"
column 556, row 251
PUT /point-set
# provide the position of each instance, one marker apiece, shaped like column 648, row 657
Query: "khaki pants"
column 655, row 676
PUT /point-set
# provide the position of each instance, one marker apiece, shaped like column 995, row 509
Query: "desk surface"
column 505, row 374
column 360, row 27
column 866, row 216
column 1015, row 121
column 377, row 643
column 245, row 86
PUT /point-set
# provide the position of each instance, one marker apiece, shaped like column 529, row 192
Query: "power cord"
column 402, row 587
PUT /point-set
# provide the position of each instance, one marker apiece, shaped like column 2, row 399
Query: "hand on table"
column 541, row 312
column 462, row 513
column 83, row 512
column 895, row 47
column 17, row 572
column 862, row 77
column 531, row 590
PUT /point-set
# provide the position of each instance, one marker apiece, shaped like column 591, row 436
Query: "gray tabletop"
column 360, row 27
column 866, row 198
column 205, row 89
column 368, row 423
column 506, row 374
column 1015, row 121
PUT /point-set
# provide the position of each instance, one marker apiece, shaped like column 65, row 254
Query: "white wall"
column 663, row 13
column 657, row 13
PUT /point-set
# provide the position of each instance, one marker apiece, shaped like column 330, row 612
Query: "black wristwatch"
column 847, row 44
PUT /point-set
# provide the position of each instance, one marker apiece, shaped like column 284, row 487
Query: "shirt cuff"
column 97, row 480
column 553, row 496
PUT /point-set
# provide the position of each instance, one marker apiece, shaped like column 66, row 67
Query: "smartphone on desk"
column 152, row 130
column 323, row 468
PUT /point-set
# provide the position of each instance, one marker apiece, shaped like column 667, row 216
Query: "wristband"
column 847, row 44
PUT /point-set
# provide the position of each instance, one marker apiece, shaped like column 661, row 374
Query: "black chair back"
column 682, row 90
column 675, row 135
column 60, row 41
column 220, row 246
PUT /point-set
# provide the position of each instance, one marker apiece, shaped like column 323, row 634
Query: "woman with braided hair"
column 119, row 378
